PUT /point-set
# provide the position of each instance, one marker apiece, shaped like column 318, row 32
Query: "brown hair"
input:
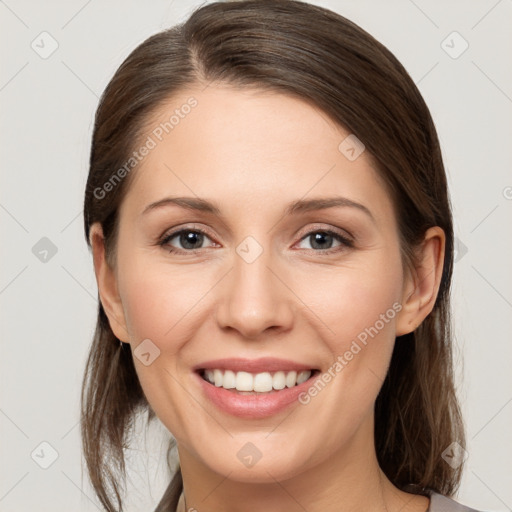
column 315, row 54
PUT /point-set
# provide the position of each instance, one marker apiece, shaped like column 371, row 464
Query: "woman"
column 272, row 237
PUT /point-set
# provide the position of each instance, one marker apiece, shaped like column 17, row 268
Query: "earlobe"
column 421, row 284
column 107, row 284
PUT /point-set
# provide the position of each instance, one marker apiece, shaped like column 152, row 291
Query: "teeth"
column 244, row 381
column 217, row 377
column 229, row 379
column 291, row 379
column 303, row 377
column 279, row 380
column 259, row 382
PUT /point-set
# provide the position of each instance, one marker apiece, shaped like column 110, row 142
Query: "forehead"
column 249, row 147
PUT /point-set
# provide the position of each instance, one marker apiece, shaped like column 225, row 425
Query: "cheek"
column 357, row 307
column 355, row 301
column 165, row 307
column 162, row 303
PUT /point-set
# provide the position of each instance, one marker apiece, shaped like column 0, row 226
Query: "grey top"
column 438, row 503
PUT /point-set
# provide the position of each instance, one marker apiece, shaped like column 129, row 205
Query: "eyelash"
column 345, row 241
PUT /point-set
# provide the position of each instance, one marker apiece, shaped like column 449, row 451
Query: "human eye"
column 321, row 240
column 191, row 239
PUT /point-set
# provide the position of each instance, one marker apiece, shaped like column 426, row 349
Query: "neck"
column 348, row 480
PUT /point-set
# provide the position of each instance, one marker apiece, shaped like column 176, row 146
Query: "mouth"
column 254, row 388
column 261, row 383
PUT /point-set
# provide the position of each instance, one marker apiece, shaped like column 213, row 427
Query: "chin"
column 267, row 469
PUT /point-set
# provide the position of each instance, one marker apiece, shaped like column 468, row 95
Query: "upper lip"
column 263, row 364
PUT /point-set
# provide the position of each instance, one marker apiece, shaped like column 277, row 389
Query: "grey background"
column 48, row 301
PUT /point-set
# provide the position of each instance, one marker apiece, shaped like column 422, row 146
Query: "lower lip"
column 257, row 405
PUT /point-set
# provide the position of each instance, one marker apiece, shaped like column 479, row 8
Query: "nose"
column 254, row 298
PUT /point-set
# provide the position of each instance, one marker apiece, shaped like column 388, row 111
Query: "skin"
column 253, row 152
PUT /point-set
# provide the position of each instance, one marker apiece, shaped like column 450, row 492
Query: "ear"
column 107, row 284
column 421, row 284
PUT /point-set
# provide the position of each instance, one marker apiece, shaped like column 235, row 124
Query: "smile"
column 253, row 383
column 253, row 389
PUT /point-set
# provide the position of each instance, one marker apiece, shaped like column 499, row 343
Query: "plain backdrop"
column 56, row 59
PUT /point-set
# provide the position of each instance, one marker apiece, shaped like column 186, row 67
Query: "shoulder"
column 439, row 503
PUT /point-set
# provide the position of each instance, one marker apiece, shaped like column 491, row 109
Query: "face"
column 251, row 279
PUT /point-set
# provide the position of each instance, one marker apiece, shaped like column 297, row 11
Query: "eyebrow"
column 300, row 206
